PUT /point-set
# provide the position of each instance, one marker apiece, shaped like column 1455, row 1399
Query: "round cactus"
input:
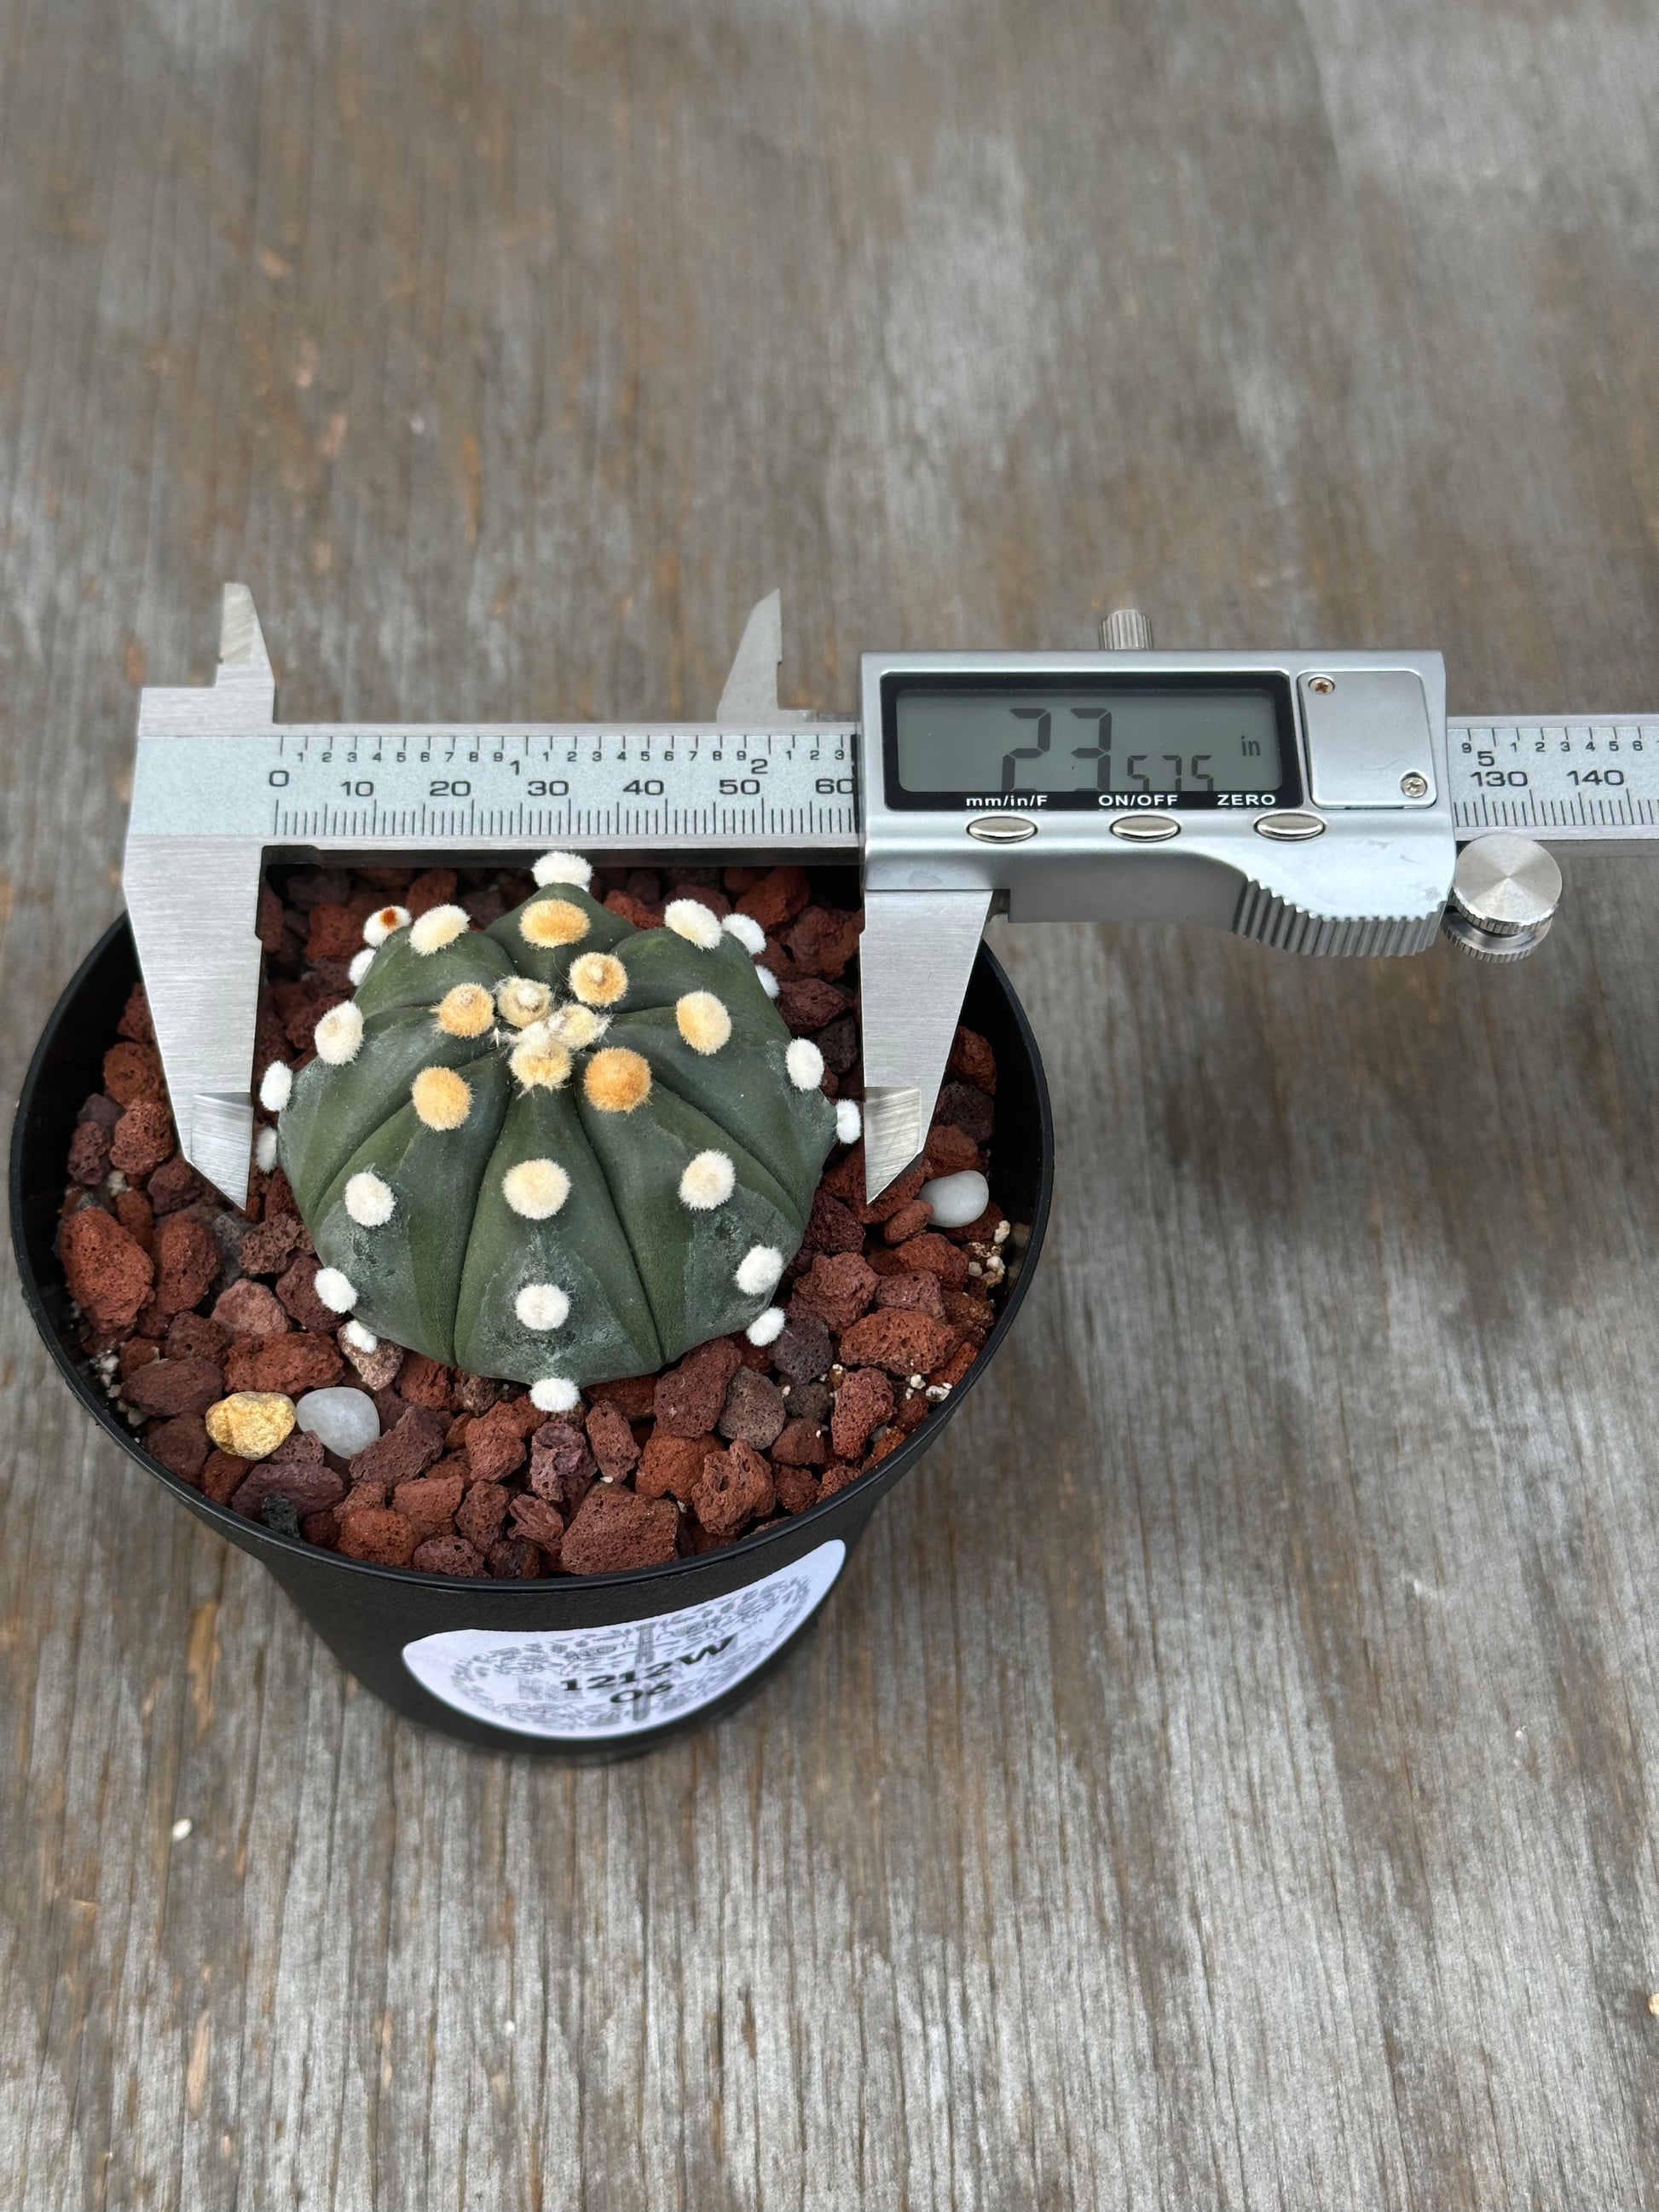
column 560, row 1150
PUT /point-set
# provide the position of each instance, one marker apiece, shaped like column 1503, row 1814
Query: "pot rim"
column 872, row 1484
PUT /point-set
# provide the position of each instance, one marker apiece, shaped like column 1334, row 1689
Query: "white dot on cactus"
column 542, row 1305
column 537, row 1062
column 342, row 1420
column 438, row 926
column 767, row 1327
column 264, row 1150
column 703, row 1021
column 618, row 1080
column 276, row 1086
column 552, row 922
column 804, row 1063
column 553, row 1394
column 360, row 965
column 338, row 1292
column 690, row 919
column 599, row 979
column 957, row 1200
column 340, row 1034
column 381, row 923
column 368, row 1200
column 769, row 981
column 536, row 1190
column 707, row 1182
column 467, row 1011
column 522, row 1000
column 578, row 1027
column 359, row 1338
column 564, row 868
column 747, row 931
column 759, row 1270
column 849, row 1121
column 441, row 1098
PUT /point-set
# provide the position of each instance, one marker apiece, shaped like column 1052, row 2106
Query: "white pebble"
column 957, row 1200
column 343, row 1421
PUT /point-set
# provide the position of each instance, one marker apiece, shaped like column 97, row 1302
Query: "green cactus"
column 560, row 1150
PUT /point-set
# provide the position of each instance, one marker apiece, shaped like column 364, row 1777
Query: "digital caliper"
column 1317, row 802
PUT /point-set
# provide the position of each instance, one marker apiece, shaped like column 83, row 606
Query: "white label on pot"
column 582, row 1683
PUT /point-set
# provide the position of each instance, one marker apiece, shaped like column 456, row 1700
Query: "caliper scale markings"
column 1577, row 780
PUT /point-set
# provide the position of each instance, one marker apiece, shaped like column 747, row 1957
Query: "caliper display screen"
column 1108, row 743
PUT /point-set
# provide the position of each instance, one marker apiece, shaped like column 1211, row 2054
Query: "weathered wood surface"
column 1224, row 1777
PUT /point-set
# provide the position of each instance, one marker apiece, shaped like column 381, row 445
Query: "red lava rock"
column 612, row 1440
column 965, row 1309
column 973, row 1060
column 801, row 1443
column 377, row 1370
column 836, row 1289
column 363, row 1495
column 804, row 1351
column 755, row 1410
column 181, row 1445
column 562, row 1467
column 830, row 1227
column 403, row 1452
column 186, row 1261
column 902, row 1343
column 137, row 1216
column 909, row 1221
column 797, row 1488
column 479, row 1516
column 422, row 1380
column 634, row 1395
column 671, row 1466
column 836, row 1476
column 735, row 1486
column 930, row 1254
column 688, row 1399
column 950, row 1151
column 436, row 887
column 292, row 1472
column 268, row 1246
column 279, row 1199
column 494, row 1443
column 616, row 1530
column 268, row 920
column 846, row 1180
column 543, row 1524
column 632, row 909
column 513, row 1559
column 194, row 1336
column 917, row 1293
column 293, row 1364
column 89, row 1153
column 427, row 1503
column 967, row 1110
column 824, row 940
column 222, row 1476
column 956, row 1366
column 446, row 1555
column 132, row 1071
column 322, row 1529
column 839, row 1044
column 251, row 1309
column 175, row 1386
column 476, row 1393
column 864, row 1401
column 778, row 898
column 108, row 1271
column 378, row 1535
column 174, row 1184
column 143, row 1138
column 297, row 1291
column 336, row 932
column 134, row 1353
column 808, row 1002
column 135, row 1022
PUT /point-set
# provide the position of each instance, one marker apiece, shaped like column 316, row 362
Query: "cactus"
column 560, row 1150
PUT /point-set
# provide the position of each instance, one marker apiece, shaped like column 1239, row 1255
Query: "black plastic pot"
column 600, row 1667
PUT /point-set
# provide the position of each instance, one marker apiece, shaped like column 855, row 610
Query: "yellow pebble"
column 251, row 1424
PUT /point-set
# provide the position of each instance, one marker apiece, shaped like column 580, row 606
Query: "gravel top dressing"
column 225, row 1340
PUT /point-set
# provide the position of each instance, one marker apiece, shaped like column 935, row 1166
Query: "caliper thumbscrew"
column 1504, row 893
column 1126, row 629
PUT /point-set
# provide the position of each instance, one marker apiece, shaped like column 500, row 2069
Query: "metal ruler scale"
column 1317, row 803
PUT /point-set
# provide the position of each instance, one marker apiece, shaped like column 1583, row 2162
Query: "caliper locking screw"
column 1504, row 893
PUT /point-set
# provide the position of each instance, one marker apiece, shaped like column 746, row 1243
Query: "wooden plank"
column 1223, row 1775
